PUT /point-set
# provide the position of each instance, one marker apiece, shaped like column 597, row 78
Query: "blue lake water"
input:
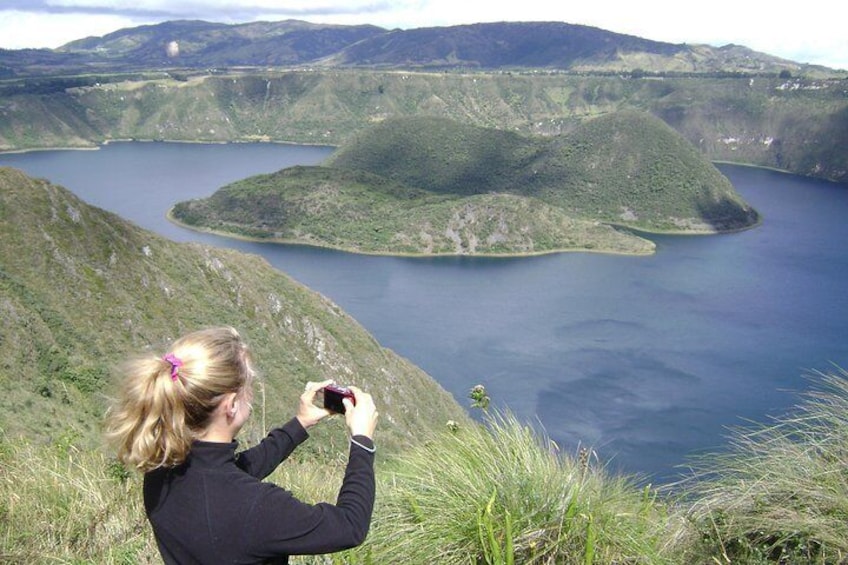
column 645, row 359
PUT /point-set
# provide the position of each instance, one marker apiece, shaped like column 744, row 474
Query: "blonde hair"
column 164, row 404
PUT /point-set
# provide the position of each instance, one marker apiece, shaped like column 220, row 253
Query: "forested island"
column 428, row 186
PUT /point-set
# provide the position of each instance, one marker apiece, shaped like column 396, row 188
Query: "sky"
column 811, row 32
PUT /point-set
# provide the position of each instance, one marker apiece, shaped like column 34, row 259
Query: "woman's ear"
column 230, row 404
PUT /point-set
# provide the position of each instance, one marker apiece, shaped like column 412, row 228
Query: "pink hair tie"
column 175, row 365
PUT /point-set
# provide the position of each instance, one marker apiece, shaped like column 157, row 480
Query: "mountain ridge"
column 495, row 45
column 197, row 44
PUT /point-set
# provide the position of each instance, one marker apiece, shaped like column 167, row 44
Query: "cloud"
column 25, row 29
column 214, row 10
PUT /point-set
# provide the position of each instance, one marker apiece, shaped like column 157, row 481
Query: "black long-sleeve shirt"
column 214, row 508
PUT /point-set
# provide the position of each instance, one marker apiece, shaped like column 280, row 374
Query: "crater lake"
column 646, row 360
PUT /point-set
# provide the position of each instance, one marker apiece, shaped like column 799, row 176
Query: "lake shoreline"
column 636, row 232
column 99, row 146
column 275, row 241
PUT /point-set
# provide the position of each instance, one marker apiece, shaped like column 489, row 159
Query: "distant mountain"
column 80, row 289
column 435, row 186
column 199, row 44
column 559, row 46
column 498, row 45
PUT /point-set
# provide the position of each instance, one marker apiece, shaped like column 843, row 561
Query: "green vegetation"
column 442, row 156
column 69, row 505
column 492, row 493
column 435, row 186
column 625, row 167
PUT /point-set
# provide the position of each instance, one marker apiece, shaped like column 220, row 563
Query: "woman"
column 176, row 421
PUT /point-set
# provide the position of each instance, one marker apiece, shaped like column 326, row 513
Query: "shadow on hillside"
column 726, row 214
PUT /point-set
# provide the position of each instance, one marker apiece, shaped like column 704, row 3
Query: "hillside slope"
column 499, row 45
column 626, row 167
column 81, row 288
column 632, row 168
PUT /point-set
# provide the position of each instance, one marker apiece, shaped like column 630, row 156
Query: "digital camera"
column 333, row 397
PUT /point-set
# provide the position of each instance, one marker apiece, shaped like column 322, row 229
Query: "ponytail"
column 166, row 402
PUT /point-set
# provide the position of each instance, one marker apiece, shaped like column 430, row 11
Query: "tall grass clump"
column 780, row 493
column 60, row 504
column 500, row 493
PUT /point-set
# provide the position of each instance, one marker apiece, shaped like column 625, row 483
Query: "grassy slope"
column 81, row 288
column 430, row 185
column 496, row 494
column 440, row 155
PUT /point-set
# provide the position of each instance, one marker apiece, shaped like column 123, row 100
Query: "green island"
column 429, row 186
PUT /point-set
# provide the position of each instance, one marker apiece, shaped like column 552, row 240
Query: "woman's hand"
column 361, row 418
column 307, row 412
